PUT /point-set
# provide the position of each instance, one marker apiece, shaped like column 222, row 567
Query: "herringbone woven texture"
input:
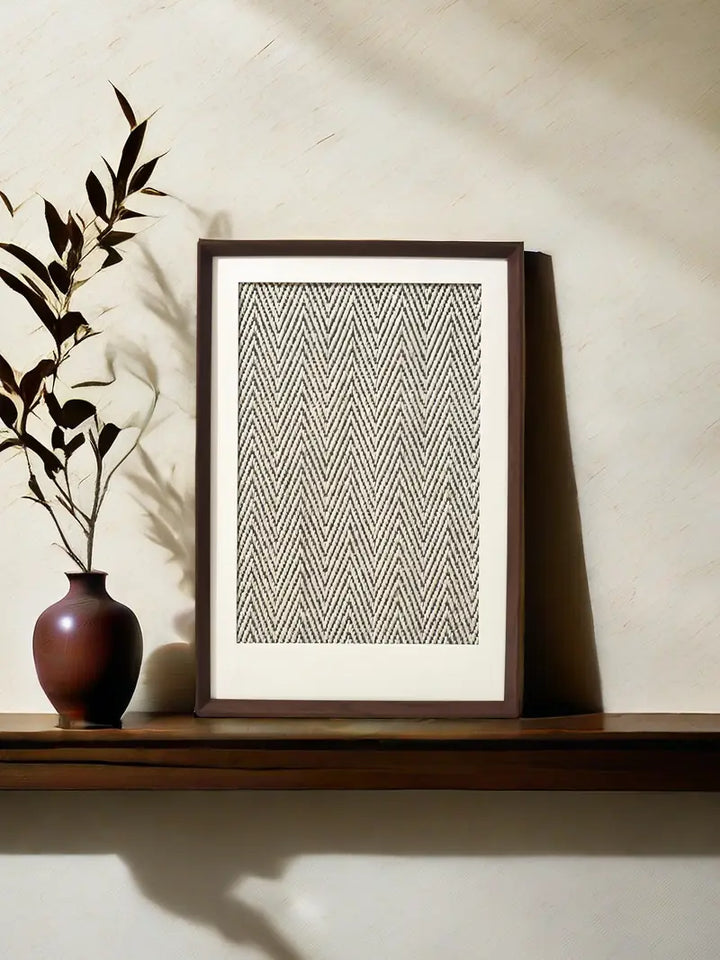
column 358, row 462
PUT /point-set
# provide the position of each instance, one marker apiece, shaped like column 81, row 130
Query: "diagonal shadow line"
column 591, row 34
column 533, row 148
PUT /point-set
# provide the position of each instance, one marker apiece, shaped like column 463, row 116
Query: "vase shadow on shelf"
column 561, row 665
column 168, row 675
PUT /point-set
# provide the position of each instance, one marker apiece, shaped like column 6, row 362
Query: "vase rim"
column 77, row 574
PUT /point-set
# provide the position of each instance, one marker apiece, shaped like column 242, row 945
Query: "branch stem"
column 97, row 502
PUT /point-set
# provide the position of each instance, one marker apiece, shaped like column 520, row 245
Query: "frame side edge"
column 202, row 472
column 516, row 418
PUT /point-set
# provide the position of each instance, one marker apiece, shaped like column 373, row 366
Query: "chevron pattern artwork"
column 358, row 462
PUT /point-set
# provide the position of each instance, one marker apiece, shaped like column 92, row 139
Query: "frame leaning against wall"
column 359, row 479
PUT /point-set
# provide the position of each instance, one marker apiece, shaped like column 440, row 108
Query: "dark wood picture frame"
column 511, row 253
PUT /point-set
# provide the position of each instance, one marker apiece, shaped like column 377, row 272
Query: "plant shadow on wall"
column 169, row 511
column 227, row 861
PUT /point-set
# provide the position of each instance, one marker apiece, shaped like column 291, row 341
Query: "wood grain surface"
column 592, row 752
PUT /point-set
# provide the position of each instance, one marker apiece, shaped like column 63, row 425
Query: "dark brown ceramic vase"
column 88, row 650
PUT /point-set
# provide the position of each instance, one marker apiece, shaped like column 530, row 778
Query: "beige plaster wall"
column 587, row 128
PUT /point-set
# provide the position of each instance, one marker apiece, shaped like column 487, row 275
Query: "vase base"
column 72, row 723
column 87, row 649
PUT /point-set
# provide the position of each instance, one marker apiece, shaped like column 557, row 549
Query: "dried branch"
column 48, row 289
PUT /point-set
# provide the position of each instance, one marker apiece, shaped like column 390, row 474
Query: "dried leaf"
column 57, row 228
column 31, row 382
column 113, row 179
column 75, row 412
column 8, row 411
column 75, row 233
column 129, row 214
column 31, row 283
column 130, row 152
column 6, row 201
column 151, row 191
column 10, row 442
column 85, row 333
column 73, row 259
column 73, row 445
column 96, row 195
column 58, row 439
column 69, row 324
column 93, row 383
column 50, row 461
column 125, row 106
column 7, row 376
column 143, row 174
column 59, row 276
column 112, row 258
column 107, row 438
column 31, row 262
column 54, row 408
column 114, row 237
column 35, row 300
column 35, row 488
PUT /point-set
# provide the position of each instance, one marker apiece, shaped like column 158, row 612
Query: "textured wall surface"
column 590, row 130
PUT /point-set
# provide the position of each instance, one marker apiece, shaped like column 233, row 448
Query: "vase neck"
column 87, row 584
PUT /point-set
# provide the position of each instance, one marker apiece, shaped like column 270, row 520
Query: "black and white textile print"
column 358, row 462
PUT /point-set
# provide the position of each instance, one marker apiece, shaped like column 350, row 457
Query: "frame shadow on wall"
column 561, row 664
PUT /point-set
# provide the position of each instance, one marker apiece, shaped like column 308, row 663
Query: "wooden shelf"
column 591, row 752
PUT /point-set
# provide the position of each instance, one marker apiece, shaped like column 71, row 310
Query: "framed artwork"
column 359, row 478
